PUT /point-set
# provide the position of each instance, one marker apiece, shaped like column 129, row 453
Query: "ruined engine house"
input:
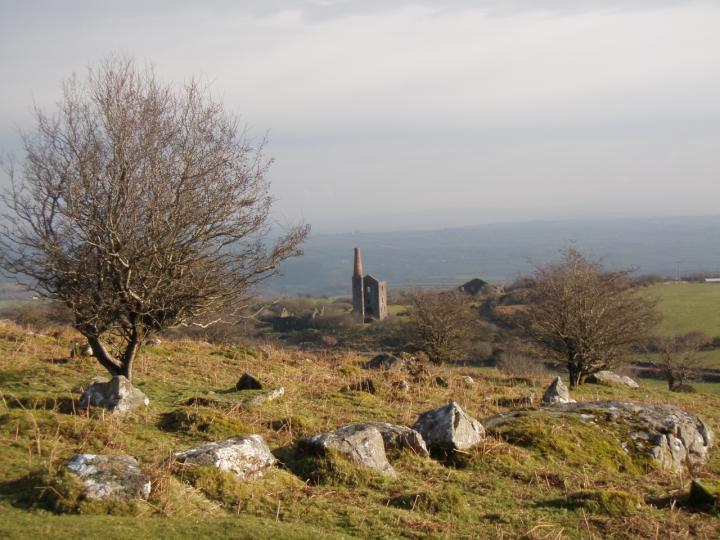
column 369, row 295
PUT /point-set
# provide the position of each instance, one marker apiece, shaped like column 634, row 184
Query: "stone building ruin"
column 369, row 295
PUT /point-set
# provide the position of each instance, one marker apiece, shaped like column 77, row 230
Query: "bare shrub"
column 585, row 317
column 140, row 206
column 679, row 359
column 520, row 364
column 441, row 323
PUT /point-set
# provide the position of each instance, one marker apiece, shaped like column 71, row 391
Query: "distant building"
column 369, row 294
column 473, row 287
column 712, row 280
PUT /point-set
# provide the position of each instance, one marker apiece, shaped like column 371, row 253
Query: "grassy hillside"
column 551, row 486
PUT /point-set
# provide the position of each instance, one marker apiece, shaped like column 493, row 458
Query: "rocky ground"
column 339, row 445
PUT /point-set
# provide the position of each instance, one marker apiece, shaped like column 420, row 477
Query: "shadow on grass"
column 61, row 404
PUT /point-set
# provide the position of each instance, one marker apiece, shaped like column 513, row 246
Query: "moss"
column 570, row 440
column 364, row 406
column 176, row 498
column 350, row 370
column 255, row 496
column 62, row 492
column 297, row 425
column 204, row 422
column 329, row 468
column 448, row 499
column 613, row 502
column 233, row 353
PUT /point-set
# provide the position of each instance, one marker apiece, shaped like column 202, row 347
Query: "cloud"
column 416, row 104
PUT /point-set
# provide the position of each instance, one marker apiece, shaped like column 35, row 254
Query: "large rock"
column 110, row 477
column 248, row 457
column 557, row 392
column 361, row 443
column 609, row 378
column 397, row 437
column 449, row 428
column 674, row 439
column 118, row 395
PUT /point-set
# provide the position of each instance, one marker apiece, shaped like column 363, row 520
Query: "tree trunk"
column 106, row 361
column 129, row 356
column 575, row 376
column 115, row 367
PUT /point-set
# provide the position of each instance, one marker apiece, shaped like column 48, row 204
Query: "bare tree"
column 141, row 206
column 441, row 323
column 679, row 359
column 584, row 317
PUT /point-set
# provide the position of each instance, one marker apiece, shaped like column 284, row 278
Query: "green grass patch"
column 688, row 307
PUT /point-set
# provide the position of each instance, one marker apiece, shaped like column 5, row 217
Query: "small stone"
column 267, row 396
column 153, row 342
column 366, row 385
column 557, row 392
column 110, row 477
column 248, row 457
column 248, row 382
column 467, row 380
column 441, row 382
column 449, row 428
column 401, row 385
column 77, row 350
column 118, row 395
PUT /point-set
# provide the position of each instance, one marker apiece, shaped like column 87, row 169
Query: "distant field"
column 687, row 307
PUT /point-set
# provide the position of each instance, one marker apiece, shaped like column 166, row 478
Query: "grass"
column 688, row 307
column 545, row 479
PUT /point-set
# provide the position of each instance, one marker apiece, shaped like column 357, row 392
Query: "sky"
column 411, row 114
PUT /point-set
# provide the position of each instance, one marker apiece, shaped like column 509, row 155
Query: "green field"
column 688, row 307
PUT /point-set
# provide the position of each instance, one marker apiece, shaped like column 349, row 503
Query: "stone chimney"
column 358, row 293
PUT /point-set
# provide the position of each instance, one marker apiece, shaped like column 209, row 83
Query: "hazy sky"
column 487, row 110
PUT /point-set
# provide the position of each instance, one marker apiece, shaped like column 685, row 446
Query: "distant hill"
column 500, row 253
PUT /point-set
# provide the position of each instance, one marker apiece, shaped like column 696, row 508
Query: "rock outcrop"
column 110, row 477
column 449, row 428
column 674, row 439
column 557, row 392
column 361, row 443
column 248, row 457
column 118, row 395
column 609, row 378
